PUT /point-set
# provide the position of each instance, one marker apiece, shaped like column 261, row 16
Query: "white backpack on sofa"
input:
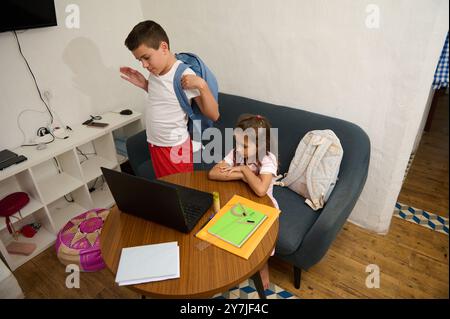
column 314, row 169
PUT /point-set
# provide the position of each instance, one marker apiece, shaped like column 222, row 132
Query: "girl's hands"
column 133, row 76
column 230, row 169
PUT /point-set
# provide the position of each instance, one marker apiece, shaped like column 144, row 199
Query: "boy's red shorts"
column 169, row 160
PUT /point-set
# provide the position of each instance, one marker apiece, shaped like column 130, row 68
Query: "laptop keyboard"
column 193, row 202
column 192, row 213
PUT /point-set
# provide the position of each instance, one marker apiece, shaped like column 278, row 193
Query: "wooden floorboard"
column 426, row 185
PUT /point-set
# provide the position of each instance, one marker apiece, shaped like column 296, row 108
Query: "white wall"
column 79, row 66
column 320, row 56
column 423, row 121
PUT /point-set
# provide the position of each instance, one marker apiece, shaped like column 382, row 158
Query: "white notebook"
column 148, row 263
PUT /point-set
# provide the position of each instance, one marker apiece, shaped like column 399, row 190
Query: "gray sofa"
column 304, row 235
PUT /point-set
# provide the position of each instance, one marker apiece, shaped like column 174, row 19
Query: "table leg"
column 259, row 285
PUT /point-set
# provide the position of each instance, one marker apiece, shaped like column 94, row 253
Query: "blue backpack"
column 192, row 61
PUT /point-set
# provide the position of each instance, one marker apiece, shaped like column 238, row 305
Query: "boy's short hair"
column 147, row 32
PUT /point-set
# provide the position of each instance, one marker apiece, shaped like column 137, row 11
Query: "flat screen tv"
column 26, row 14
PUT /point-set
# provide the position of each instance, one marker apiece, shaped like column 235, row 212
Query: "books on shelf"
column 237, row 224
column 148, row 263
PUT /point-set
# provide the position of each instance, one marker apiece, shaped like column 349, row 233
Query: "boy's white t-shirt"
column 166, row 122
column 269, row 165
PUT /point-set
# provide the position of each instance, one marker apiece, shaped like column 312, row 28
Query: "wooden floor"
column 413, row 263
column 413, row 260
column 426, row 185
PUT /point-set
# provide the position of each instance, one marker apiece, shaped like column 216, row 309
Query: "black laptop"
column 8, row 158
column 165, row 203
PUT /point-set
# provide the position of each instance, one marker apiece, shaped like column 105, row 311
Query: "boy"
column 166, row 122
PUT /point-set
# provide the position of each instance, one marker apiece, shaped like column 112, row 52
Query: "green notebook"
column 237, row 224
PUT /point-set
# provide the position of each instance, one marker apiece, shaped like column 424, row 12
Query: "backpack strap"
column 317, row 200
column 195, row 123
column 179, row 92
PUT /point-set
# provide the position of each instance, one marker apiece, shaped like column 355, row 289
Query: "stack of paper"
column 148, row 263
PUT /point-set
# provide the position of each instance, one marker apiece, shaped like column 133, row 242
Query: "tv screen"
column 26, row 14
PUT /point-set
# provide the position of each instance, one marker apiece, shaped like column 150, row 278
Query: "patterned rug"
column 247, row 290
column 421, row 217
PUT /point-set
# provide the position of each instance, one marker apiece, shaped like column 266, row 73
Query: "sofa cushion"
column 296, row 219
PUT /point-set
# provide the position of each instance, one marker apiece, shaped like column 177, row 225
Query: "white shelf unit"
column 101, row 153
column 102, row 196
column 55, row 176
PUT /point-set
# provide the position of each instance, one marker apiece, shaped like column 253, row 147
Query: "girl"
column 252, row 162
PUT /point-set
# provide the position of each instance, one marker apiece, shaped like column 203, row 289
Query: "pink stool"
column 12, row 204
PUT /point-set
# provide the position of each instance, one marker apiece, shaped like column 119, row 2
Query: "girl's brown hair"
column 252, row 121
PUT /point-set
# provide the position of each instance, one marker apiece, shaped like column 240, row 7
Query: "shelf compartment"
column 61, row 214
column 102, row 197
column 91, row 167
column 57, row 186
column 21, row 182
column 57, row 176
column 43, row 239
column 61, row 211
column 32, row 206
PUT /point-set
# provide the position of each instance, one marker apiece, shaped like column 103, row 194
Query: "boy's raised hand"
column 205, row 101
column 135, row 77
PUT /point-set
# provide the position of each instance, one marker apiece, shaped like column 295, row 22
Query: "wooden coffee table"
column 205, row 269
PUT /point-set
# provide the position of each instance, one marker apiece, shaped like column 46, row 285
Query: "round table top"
column 204, row 268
